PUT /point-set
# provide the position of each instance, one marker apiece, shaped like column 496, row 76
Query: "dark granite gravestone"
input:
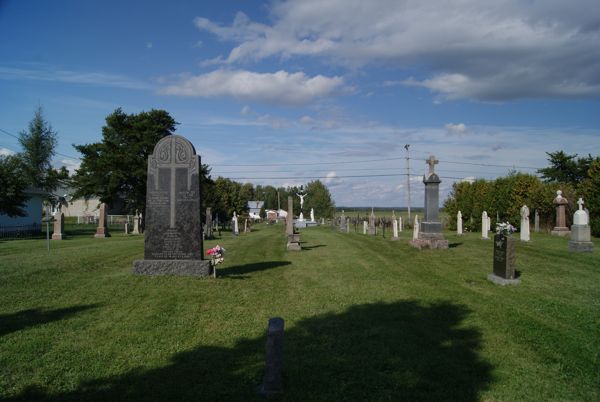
column 173, row 236
column 273, row 379
column 430, row 231
column 505, row 257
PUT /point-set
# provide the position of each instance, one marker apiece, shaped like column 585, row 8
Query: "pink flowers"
column 217, row 253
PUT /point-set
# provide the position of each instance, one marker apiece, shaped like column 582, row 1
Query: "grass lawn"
column 366, row 319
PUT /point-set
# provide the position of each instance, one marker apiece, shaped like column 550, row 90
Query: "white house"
column 254, row 208
column 33, row 212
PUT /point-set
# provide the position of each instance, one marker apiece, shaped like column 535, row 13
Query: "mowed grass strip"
column 367, row 318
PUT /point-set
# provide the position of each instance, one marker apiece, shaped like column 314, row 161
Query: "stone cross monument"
column 430, row 233
column 580, row 231
column 173, row 236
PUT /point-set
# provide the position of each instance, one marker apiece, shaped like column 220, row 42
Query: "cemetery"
column 299, row 200
column 354, row 305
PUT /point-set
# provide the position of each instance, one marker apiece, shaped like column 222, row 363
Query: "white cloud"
column 246, row 110
column 71, row 164
column 6, row 152
column 149, row 45
column 480, row 50
column 330, row 177
column 47, row 73
column 456, row 129
column 280, row 87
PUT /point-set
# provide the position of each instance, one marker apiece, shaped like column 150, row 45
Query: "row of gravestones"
column 580, row 230
column 102, row 229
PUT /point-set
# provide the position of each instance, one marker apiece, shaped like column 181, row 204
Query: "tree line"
column 115, row 169
column 503, row 197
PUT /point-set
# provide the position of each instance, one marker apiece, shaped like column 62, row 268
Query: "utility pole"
column 408, row 178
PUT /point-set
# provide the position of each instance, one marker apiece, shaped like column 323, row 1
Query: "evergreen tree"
column 12, row 186
column 38, row 144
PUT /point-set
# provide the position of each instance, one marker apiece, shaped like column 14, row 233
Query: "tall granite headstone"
column 524, row 233
column 343, row 222
column 102, row 229
column 581, row 240
column 395, row 230
column 173, row 237
column 561, row 228
column 416, row 228
column 372, row 230
column 208, row 224
column 430, row 233
column 536, row 222
column 235, row 228
column 136, row 224
column 400, row 224
column 459, row 228
column 293, row 243
column 484, row 225
column 59, row 226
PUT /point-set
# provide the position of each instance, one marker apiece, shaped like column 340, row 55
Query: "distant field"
column 366, row 319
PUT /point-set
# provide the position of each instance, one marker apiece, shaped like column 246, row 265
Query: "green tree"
column 116, row 167
column 591, row 192
column 38, row 144
column 565, row 168
column 12, row 186
column 319, row 198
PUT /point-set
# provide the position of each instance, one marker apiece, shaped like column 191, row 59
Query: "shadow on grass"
column 30, row 318
column 311, row 247
column 402, row 351
column 249, row 268
column 454, row 245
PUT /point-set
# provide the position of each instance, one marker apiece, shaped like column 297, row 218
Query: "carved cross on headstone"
column 580, row 203
column 173, row 154
column 432, row 162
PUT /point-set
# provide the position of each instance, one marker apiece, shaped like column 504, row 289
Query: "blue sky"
column 316, row 88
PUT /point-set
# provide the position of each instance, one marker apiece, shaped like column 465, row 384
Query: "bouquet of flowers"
column 217, row 253
column 505, row 228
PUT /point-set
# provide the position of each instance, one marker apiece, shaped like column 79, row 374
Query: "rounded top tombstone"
column 560, row 200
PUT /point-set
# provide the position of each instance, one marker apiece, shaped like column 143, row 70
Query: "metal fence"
column 20, row 231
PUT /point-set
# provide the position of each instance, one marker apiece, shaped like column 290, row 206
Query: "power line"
column 56, row 153
column 335, row 177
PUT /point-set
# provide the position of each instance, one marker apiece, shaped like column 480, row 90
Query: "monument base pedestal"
column 293, row 246
column 57, row 236
column 102, row 232
column 293, row 243
column 560, row 231
column 394, row 238
column 198, row 268
column 498, row 280
column 430, row 240
column 581, row 246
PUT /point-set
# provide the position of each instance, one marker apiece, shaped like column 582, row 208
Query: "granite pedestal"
column 581, row 239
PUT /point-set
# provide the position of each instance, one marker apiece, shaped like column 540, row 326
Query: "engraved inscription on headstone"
column 173, row 226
